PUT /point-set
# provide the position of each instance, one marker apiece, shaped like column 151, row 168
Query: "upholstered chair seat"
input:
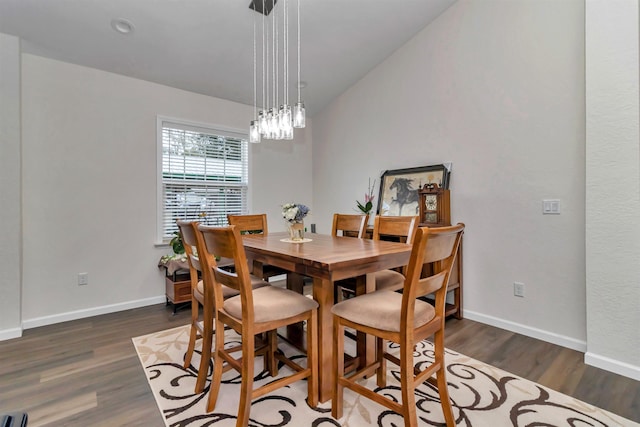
column 272, row 303
column 382, row 310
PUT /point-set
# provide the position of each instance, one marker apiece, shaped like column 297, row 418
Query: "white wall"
column 10, row 186
column 89, row 185
column 496, row 87
column 613, row 186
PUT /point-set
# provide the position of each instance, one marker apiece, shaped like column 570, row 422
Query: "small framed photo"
column 399, row 188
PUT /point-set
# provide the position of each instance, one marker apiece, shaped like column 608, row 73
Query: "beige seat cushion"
column 389, row 280
column 272, row 303
column 381, row 310
column 228, row 292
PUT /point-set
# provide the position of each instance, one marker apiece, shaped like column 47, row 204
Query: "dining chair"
column 349, row 225
column 405, row 320
column 393, row 228
column 255, row 224
column 193, row 244
column 253, row 313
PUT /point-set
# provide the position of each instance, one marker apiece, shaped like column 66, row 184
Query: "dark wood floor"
column 86, row 372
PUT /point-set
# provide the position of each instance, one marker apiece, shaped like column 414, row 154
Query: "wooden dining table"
column 327, row 259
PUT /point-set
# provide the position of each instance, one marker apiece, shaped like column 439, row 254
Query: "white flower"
column 294, row 212
column 291, row 213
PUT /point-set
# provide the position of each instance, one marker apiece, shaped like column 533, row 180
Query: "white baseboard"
column 8, row 334
column 612, row 365
column 89, row 312
column 540, row 334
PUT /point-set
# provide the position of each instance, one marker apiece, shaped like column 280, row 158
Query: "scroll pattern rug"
column 482, row 395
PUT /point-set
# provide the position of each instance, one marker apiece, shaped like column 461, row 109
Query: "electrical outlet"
column 83, row 279
column 518, row 289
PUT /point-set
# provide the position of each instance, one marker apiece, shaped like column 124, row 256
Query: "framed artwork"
column 399, row 188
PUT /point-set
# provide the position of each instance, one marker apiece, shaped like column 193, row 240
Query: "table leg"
column 323, row 294
column 295, row 333
column 365, row 344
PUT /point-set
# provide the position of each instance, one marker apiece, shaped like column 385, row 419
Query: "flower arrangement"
column 367, row 206
column 294, row 212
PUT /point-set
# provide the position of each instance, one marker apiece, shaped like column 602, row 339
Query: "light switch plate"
column 551, row 207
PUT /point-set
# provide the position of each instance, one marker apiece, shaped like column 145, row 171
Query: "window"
column 203, row 174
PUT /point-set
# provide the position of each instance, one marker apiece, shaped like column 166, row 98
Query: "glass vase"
column 296, row 231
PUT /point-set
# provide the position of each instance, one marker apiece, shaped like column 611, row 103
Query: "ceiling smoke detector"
column 121, row 25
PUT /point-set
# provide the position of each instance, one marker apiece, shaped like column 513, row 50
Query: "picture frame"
column 399, row 188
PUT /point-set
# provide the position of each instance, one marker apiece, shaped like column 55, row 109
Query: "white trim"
column 159, row 210
column 540, row 334
column 90, row 312
column 612, row 365
column 9, row 334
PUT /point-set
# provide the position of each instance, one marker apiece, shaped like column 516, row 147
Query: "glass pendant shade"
column 285, row 117
column 299, row 115
column 267, row 119
column 254, row 131
column 273, row 123
column 262, row 123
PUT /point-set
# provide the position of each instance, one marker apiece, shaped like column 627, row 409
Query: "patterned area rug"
column 481, row 394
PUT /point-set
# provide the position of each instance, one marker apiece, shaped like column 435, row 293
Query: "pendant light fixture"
column 275, row 120
column 254, row 127
column 299, row 114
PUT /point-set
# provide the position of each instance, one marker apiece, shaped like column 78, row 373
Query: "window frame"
column 214, row 129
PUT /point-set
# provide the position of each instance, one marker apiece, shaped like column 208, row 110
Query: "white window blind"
column 204, row 175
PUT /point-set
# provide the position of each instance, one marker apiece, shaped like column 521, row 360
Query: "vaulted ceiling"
column 206, row 46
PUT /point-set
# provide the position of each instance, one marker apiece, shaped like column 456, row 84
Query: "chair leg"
column 246, row 386
column 205, row 356
column 441, row 378
column 193, row 335
column 382, row 367
column 216, row 376
column 337, row 403
column 407, row 386
column 312, row 359
column 272, row 347
column 445, row 401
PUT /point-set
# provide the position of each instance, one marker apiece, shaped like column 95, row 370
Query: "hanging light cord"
column 285, row 25
column 277, row 59
column 255, row 83
column 298, row 50
column 263, row 63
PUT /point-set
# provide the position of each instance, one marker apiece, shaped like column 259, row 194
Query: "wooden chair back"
column 254, row 223
column 349, row 225
column 226, row 242
column 430, row 245
column 395, row 228
column 190, row 236
column 192, row 241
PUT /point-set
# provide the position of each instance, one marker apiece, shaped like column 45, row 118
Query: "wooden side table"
column 178, row 290
column 177, row 281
